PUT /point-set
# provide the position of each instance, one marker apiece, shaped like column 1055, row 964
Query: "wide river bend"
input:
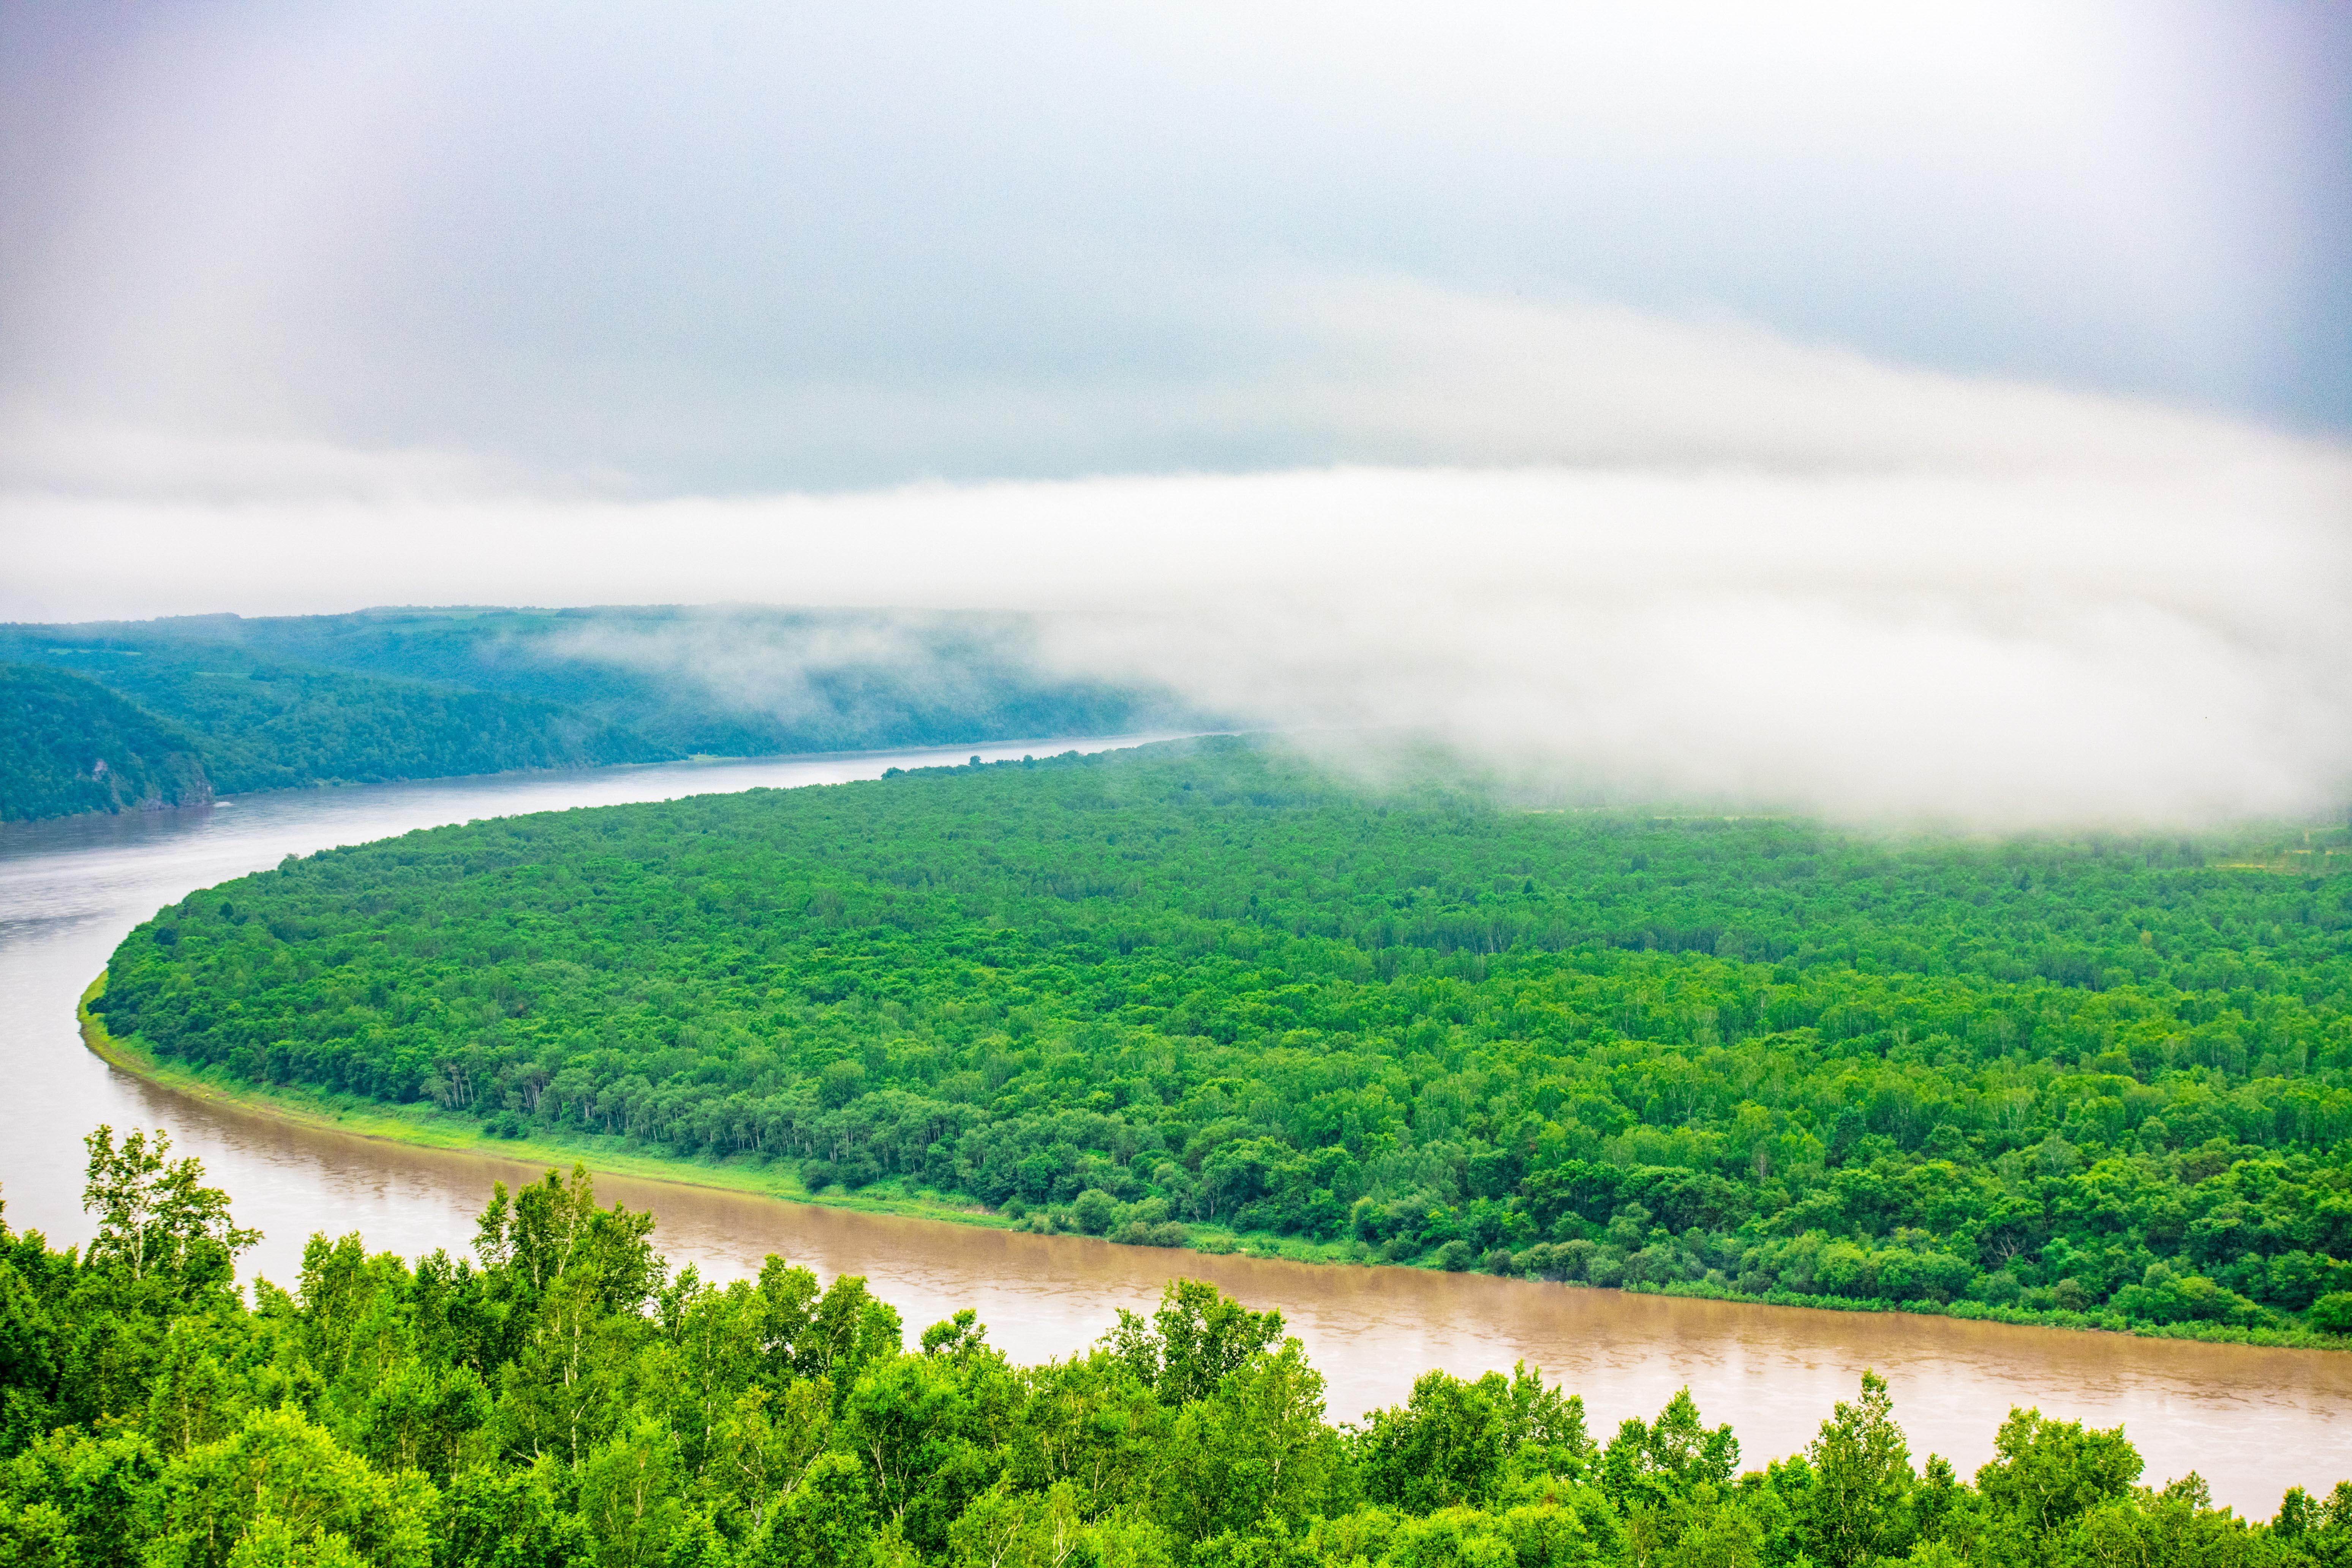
column 2250, row 1420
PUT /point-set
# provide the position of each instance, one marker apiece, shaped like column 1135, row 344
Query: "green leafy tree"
column 495, row 1517
column 156, row 1219
column 283, row 1483
column 1256, row 1448
column 631, row 1496
column 763, row 1448
column 1448, row 1446
column 1208, row 985
column 2320, row 1528
column 1471, row 1443
column 1197, row 1337
column 827, row 1521
column 553, row 1232
column 29, row 1359
column 2046, row 1474
column 92, row 1501
column 571, row 1404
column 1667, row 1458
column 1862, row 1482
column 932, row 1429
column 1090, row 1422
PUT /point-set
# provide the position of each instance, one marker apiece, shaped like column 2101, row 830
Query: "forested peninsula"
column 111, row 716
column 1206, row 993
column 561, row 1398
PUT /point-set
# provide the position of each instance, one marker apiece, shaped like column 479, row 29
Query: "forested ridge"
column 279, row 702
column 74, row 746
column 561, row 1398
column 237, row 723
column 1196, row 990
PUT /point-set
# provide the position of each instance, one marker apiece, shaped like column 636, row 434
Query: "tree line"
column 276, row 702
column 1202, row 990
column 562, row 1396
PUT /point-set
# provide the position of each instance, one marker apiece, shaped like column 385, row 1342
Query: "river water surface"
column 2250, row 1420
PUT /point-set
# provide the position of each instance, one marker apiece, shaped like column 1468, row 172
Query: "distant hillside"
column 385, row 694
column 69, row 746
column 266, row 724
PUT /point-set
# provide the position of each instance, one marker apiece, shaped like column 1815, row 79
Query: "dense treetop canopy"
column 1203, row 988
column 561, row 1397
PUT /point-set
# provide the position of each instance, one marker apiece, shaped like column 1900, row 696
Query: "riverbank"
column 432, row 1128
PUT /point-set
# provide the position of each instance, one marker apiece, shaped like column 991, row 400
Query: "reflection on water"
column 2253, row 1421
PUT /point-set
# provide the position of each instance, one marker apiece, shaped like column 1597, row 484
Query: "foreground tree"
column 564, row 1401
column 156, row 1219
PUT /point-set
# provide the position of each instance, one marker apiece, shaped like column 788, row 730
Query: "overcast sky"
column 738, row 248
column 1914, row 409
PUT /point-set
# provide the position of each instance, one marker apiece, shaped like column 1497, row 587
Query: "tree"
column 1862, row 1481
column 1663, row 1460
column 98, row 1500
column 156, row 1219
column 825, row 1522
column 1456, row 1442
column 1254, row 1449
column 704, row 1428
column 930, row 1429
column 629, row 1495
column 2332, row 1313
column 552, row 1231
column 1198, row 1335
column 1445, row 1447
column 2046, row 1474
column 28, row 1370
column 288, row 1485
column 494, row 1518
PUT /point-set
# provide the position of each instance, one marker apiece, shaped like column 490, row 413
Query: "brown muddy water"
column 2252, row 1421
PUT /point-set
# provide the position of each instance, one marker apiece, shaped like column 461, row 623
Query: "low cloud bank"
column 1651, row 558
column 1910, row 648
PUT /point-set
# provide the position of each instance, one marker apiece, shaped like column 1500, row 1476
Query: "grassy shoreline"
column 430, row 1127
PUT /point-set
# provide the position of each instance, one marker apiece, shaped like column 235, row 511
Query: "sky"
column 1930, row 410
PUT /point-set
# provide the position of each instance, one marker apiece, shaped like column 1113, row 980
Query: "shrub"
column 2165, row 1297
column 1094, row 1211
column 1998, row 1288
column 2332, row 1313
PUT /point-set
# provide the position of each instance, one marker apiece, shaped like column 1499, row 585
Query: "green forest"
column 562, row 1398
column 258, row 725
column 284, row 702
column 1203, row 991
column 73, row 746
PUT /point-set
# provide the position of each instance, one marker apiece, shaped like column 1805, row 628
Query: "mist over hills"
column 107, row 716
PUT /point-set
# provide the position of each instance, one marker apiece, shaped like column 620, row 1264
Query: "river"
column 2252, row 1421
